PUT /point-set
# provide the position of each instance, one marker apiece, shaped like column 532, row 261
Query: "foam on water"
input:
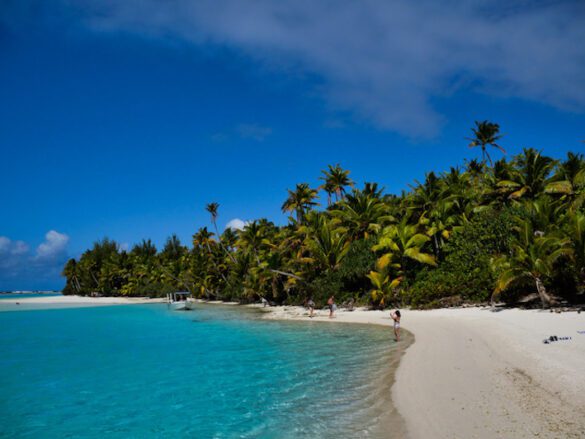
column 217, row 372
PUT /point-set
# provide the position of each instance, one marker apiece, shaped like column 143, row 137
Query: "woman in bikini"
column 396, row 317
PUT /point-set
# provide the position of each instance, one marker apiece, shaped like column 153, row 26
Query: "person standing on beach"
column 311, row 306
column 396, row 317
column 331, row 304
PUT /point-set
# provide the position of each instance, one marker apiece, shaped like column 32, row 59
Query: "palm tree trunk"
column 544, row 296
column 221, row 243
column 215, row 263
column 284, row 273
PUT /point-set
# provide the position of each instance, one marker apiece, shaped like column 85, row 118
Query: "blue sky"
column 123, row 119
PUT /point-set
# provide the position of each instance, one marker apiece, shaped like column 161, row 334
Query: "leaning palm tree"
column 335, row 181
column 299, row 200
column 212, row 208
column 486, row 133
column 532, row 257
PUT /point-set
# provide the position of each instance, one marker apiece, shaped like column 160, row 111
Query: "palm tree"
column 204, row 239
column 326, row 243
column 212, row 208
column 404, row 241
column 399, row 243
column 300, row 200
column 70, row 271
column 569, row 180
column 335, row 181
column 576, row 233
column 173, row 248
column 486, row 133
column 532, row 257
column 362, row 213
column 529, row 177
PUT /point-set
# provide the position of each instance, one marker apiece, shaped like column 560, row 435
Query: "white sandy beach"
column 474, row 373
column 70, row 301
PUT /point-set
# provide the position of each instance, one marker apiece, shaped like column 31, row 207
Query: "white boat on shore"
column 180, row 300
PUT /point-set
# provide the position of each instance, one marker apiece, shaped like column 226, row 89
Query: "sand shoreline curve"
column 476, row 373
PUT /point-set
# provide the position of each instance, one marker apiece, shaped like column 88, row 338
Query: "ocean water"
column 217, row 372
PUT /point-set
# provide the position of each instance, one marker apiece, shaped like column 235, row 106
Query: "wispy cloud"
column 248, row 131
column 219, row 137
column 385, row 61
column 253, row 131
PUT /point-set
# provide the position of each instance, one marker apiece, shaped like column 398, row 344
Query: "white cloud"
column 20, row 248
column 20, row 268
column 387, row 61
column 236, row 224
column 4, row 244
column 9, row 247
column 54, row 245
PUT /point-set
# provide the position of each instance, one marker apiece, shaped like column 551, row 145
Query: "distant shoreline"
column 16, row 293
column 60, row 301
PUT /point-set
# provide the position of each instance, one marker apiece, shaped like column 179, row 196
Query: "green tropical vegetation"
column 490, row 230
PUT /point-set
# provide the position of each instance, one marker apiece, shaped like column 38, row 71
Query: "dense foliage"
column 486, row 231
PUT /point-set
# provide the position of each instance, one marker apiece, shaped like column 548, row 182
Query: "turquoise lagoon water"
column 216, row 372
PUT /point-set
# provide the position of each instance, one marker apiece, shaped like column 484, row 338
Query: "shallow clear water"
column 216, row 372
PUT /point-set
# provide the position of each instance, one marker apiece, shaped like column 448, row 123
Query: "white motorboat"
column 180, row 300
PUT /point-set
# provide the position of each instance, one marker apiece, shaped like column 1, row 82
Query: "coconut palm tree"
column 212, row 208
column 398, row 244
column 532, row 257
column 404, row 241
column 529, row 176
column 569, row 180
column 486, row 134
column 300, row 200
column 326, row 243
column 576, row 233
column 336, row 179
column 70, row 271
column 362, row 213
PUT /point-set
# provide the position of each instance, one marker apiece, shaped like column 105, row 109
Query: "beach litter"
column 554, row 338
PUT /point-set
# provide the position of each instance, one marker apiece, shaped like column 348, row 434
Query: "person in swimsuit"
column 331, row 305
column 396, row 317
